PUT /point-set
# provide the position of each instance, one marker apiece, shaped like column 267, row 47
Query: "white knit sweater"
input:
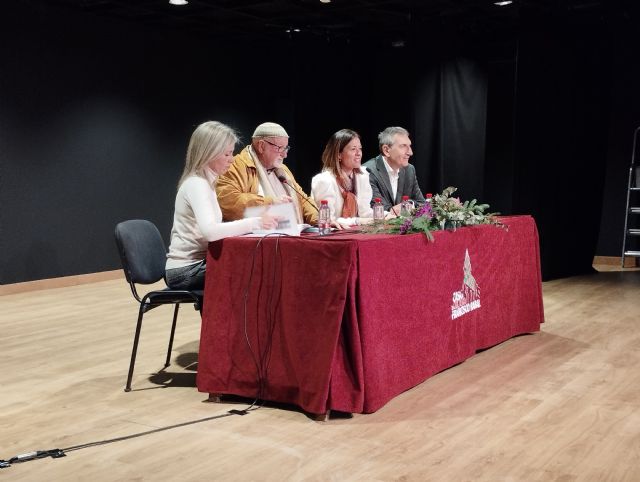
column 197, row 220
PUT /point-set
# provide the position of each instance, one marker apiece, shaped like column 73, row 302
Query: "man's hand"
column 284, row 199
column 395, row 211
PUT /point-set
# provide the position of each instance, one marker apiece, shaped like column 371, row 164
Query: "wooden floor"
column 559, row 405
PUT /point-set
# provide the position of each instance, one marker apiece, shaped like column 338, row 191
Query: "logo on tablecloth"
column 468, row 298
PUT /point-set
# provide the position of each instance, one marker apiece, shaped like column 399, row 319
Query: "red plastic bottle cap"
column 377, row 200
column 405, row 198
column 324, row 201
column 429, row 195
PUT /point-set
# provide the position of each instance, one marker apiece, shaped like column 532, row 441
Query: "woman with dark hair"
column 197, row 218
column 343, row 183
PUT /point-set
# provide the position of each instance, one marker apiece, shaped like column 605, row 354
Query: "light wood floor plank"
column 559, row 405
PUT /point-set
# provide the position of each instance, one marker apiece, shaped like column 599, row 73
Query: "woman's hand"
column 340, row 226
column 267, row 221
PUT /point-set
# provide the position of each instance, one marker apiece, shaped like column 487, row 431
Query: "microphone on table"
column 282, row 177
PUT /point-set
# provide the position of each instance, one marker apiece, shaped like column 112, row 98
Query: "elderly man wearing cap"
column 258, row 176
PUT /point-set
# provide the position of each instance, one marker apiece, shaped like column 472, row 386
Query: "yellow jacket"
column 238, row 189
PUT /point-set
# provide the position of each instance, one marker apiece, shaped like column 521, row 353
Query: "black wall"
column 94, row 120
column 95, row 115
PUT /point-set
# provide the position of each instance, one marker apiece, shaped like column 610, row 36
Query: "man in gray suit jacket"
column 390, row 174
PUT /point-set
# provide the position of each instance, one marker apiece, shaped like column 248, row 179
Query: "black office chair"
column 143, row 255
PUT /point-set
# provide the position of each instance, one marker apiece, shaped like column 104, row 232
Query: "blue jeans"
column 186, row 278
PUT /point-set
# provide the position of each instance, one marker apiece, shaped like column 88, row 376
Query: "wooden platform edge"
column 629, row 262
column 62, row 282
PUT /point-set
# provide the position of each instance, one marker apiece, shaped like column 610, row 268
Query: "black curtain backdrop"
column 95, row 116
column 624, row 118
column 561, row 125
column 522, row 125
column 502, row 70
column 450, row 126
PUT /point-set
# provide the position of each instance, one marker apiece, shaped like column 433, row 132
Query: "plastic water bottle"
column 324, row 218
column 378, row 211
column 428, row 197
column 405, row 207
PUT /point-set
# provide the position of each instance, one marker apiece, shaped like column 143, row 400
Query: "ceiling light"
column 325, row 1
column 504, row 3
column 178, row 2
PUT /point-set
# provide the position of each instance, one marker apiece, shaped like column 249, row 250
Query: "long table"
column 347, row 322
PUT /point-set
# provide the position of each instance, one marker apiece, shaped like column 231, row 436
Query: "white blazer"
column 325, row 187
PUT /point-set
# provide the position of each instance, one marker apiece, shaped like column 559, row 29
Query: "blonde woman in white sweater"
column 197, row 218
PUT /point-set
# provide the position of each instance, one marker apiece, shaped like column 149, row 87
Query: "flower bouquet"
column 439, row 212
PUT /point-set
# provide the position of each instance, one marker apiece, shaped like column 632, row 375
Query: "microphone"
column 282, row 177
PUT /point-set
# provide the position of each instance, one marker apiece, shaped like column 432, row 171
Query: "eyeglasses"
column 281, row 149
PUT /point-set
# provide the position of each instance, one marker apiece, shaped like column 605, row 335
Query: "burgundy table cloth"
column 347, row 322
